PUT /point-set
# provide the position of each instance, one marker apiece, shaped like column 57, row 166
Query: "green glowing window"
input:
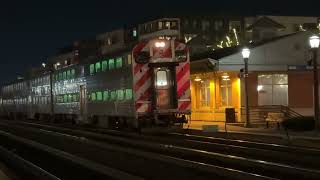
column 65, row 98
column 56, row 77
column 99, row 96
column 104, row 65
column 105, row 95
column 120, row 95
column 68, row 74
column 69, row 98
column 98, row 67
column 119, row 62
column 113, row 95
column 59, row 99
column 111, row 64
column 60, row 76
column 91, row 69
column 75, row 97
column 65, row 75
column 73, row 73
column 93, row 96
column 128, row 94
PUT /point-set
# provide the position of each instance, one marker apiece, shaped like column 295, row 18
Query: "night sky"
column 30, row 31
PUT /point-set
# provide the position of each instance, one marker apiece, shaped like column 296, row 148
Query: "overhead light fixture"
column 43, row 64
column 197, row 78
column 225, row 76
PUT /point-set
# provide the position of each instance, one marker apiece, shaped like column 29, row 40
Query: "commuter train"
column 147, row 85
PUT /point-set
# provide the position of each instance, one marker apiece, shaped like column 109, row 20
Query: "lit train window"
column 105, row 95
column 57, row 77
column 91, row 69
column 99, row 96
column 128, row 94
column 75, row 98
column 129, row 59
column 65, row 98
column 119, row 62
column 98, row 67
column 162, row 78
column 111, row 64
column 68, row 74
column 65, row 75
column 69, row 98
column 93, row 96
column 73, row 73
column 60, row 76
column 120, row 95
column 113, row 95
column 104, row 65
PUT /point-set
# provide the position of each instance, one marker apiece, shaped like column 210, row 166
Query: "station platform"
column 303, row 138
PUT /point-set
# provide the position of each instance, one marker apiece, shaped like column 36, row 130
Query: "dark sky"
column 32, row 30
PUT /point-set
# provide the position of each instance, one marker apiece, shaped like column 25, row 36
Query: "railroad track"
column 244, row 160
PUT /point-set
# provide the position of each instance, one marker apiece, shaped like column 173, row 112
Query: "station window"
column 105, row 95
column 120, row 94
column 91, row 69
column 65, row 75
column 98, row 67
column 104, row 65
column 68, row 74
column 113, row 95
column 93, row 96
column 73, row 73
column 99, row 96
column 69, row 98
column 111, row 64
column 65, row 98
column 119, row 62
column 128, row 94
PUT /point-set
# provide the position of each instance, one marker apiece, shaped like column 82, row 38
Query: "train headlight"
column 159, row 44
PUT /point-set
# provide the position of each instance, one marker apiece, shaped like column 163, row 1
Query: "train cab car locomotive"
column 161, row 77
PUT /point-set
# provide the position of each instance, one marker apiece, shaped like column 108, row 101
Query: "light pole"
column 245, row 54
column 314, row 45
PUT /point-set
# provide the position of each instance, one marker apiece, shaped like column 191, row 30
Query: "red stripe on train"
column 183, row 88
column 184, row 105
column 145, row 95
column 183, row 71
column 137, row 67
column 141, row 81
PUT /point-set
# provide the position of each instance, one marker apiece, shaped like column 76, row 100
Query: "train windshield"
column 162, row 79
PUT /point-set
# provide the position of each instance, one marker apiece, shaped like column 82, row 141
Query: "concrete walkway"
column 305, row 138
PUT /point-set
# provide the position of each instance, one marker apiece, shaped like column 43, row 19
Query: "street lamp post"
column 245, row 54
column 314, row 44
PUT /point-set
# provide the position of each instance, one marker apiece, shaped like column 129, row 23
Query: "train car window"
column 91, row 69
column 104, row 65
column 93, row 96
column 162, row 78
column 68, row 74
column 75, row 97
column 113, row 95
column 119, row 62
column 105, row 95
column 65, row 98
column 129, row 60
column 73, row 73
column 57, row 77
column 99, row 96
column 111, row 64
column 120, row 94
column 69, row 98
column 64, row 75
column 128, row 94
column 98, row 67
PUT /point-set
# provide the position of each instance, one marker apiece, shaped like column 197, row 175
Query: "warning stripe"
column 183, row 88
column 137, row 68
column 182, row 72
column 142, row 80
column 184, row 105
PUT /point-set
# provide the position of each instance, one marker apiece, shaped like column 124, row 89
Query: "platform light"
column 314, row 41
column 159, row 44
column 197, row 78
column 58, row 63
column 43, row 65
column 259, row 88
column 225, row 76
column 245, row 53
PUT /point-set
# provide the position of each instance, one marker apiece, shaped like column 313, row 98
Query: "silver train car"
column 148, row 85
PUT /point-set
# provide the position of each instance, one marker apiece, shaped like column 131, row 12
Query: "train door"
column 83, row 101
column 164, row 88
